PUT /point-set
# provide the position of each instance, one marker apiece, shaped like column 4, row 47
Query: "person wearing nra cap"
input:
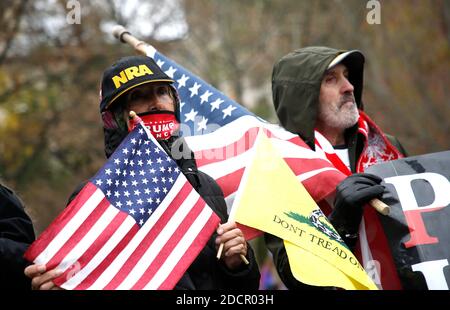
column 137, row 84
column 317, row 94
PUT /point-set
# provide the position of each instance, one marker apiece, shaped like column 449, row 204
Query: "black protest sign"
column 418, row 227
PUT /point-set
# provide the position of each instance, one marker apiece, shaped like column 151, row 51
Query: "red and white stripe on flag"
column 224, row 154
column 97, row 246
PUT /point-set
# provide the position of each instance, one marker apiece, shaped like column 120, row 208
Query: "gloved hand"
column 351, row 196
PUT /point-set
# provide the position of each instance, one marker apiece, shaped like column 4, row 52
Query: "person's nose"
column 346, row 86
column 158, row 104
column 163, row 103
column 154, row 103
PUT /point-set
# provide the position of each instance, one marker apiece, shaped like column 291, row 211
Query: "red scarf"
column 377, row 147
column 372, row 247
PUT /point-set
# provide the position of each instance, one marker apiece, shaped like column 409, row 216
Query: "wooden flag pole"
column 219, row 251
column 125, row 37
column 219, row 254
column 380, row 206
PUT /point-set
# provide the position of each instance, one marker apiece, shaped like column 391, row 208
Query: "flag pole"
column 122, row 34
column 219, row 254
column 380, row 206
column 125, row 36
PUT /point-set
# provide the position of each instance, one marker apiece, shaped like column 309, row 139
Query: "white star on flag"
column 227, row 112
column 216, row 104
column 182, row 81
column 171, row 71
column 160, row 63
column 205, row 96
column 202, row 124
column 190, row 116
column 194, row 89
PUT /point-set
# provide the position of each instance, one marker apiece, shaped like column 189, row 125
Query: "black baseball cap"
column 353, row 56
column 127, row 73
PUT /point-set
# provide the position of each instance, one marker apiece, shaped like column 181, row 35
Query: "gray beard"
column 340, row 118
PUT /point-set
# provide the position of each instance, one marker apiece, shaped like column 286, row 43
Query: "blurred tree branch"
column 10, row 24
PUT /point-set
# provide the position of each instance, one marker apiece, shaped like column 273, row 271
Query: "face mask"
column 162, row 124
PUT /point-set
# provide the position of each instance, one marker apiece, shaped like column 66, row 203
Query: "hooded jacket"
column 296, row 82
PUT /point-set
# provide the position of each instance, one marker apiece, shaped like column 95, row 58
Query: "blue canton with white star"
column 203, row 108
column 137, row 176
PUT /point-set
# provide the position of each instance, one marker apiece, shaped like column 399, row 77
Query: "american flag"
column 137, row 224
column 221, row 133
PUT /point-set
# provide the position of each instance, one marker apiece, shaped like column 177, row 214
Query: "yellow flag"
column 271, row 199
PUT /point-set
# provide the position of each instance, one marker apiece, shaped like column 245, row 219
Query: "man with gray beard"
column 317, row 94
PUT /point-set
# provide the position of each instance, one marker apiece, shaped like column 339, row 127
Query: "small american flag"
column 221, row 133
column 137, row 224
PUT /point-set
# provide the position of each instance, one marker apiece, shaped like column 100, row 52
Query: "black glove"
column 351, row 196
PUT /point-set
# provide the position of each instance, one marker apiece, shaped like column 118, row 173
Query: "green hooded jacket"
column 296, row 82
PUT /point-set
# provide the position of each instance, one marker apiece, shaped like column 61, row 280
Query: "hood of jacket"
column 296, row 81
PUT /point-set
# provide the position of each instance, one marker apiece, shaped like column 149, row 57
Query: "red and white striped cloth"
column 372, row 249
column 137, row 224
column 225, row 153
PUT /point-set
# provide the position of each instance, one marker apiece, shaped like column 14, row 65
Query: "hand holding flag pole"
column 219, row 254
